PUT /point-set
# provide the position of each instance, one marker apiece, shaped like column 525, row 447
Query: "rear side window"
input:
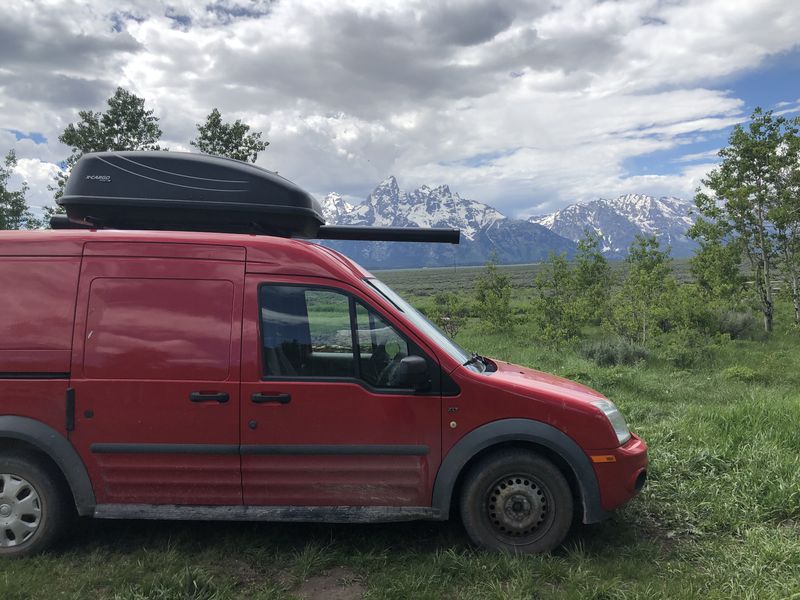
column 310, row 332
column 162, row 329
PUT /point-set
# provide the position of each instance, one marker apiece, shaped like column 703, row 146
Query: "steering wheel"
column 388, row 377
column 375, row 365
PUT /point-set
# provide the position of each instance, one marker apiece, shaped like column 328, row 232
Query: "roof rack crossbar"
column 63, row 222
column 330, row 232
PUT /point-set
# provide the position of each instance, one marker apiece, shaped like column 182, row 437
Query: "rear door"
column 155, row 373
column 323, row 421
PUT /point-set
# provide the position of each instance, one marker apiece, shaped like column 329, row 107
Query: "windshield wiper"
column 476, row 358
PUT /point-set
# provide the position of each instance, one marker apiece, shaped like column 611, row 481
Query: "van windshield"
column 421, row 321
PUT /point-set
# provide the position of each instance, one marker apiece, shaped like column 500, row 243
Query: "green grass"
column 719, row 518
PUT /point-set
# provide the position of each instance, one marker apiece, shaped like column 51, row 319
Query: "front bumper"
column 622, row 477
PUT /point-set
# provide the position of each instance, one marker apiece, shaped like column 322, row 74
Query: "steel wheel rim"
column 20, row 510
column 518, row 509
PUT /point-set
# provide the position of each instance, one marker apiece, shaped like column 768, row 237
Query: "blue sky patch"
column 776, row 80
column 480, row 160
column 35, row 136
column 183, row 22
column 772, row 84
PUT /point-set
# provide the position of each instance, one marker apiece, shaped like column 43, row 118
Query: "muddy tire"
column 516, row 501
column 35, row 507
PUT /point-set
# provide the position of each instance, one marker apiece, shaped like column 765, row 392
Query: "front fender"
column 519, row 430
column 60, row 450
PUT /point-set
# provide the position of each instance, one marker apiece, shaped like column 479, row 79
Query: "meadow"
column 420, row 283
column 719, row 517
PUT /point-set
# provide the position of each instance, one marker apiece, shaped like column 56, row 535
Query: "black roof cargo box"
column 180, row 191
column 183, row 191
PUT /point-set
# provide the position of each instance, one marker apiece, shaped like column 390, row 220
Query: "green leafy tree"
column 686, row 307
column 785, row 215
column 716, row 264
column 556, row 304
column 744, row 193
column 593, row 278
column 642, row 300
column 569, row 295
column 449, row 312
column 14, row 210
column 493, row 292
column 125, row 125
column 232, row 140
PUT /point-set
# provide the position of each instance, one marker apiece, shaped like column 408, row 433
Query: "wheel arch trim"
column 519, row 430
column 58, row 448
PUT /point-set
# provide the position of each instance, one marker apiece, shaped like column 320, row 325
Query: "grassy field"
column 425, row 282
column 719, row 518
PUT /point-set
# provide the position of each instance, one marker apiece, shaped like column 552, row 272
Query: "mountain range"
column 619, row 220
column 485, row 230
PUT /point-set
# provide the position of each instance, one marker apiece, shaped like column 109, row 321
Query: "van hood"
column 538, row 383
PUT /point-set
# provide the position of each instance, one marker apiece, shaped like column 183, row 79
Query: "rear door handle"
column 221, row 397
column 259, row 398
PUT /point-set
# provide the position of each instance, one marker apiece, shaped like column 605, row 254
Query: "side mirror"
column 413, row 372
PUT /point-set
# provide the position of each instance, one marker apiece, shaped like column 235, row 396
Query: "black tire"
column 516, row 501
column 49, row 511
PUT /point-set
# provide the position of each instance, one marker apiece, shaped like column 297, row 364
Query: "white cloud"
column 709, row 155
column 39, row 175
column 788, row 108
column 527, row 106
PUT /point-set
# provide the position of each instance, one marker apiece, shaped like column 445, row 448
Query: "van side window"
column 380, row 347
column 309, row 332
column 306, row 332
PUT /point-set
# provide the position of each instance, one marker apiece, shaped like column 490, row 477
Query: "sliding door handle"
column 259, row 398
column 221, row 397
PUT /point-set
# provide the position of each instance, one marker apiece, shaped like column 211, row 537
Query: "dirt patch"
column 244, row 572
column 337, row 584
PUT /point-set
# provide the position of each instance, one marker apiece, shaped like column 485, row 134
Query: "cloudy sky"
column 524, row 105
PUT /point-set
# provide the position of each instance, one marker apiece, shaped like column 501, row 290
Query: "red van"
column 202, row 375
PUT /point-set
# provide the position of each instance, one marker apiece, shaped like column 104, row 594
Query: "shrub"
column 738, row 324
column 449, row 312
column 683, row 348
column 740, row 373
column 614, row 351
column 684, row 308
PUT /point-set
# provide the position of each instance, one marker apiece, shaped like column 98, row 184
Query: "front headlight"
column 615, row 418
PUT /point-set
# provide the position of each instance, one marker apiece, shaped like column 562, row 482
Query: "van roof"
column 271, row 254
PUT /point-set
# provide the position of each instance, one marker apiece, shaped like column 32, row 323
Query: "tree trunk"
column 766, row 272
column 644, row 326
column 764, row 294
column 767, row 305
column 790, row 259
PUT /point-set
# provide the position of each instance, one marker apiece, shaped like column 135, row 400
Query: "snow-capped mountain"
column 335, row 208
column 483, row 229
column 387, row 206
column 617, row 221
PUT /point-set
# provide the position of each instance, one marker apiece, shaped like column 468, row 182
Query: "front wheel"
column 34, row 509
column 516, row 501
